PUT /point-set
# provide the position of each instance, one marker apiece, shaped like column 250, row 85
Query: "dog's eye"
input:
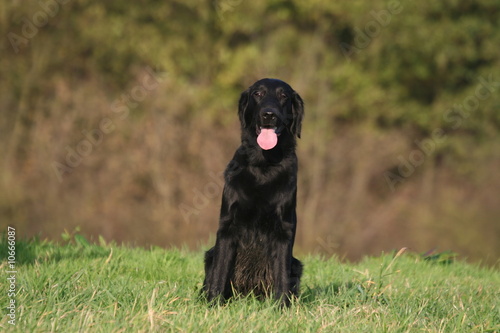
column 258, row 93
column 283, row 96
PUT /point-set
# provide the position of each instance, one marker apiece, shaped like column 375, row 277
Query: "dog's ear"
column 298, row 114
column 242, row 108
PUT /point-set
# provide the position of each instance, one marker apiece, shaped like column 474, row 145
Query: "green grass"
column 79, row 287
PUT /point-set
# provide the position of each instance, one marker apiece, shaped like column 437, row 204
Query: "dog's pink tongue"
column 267, row 139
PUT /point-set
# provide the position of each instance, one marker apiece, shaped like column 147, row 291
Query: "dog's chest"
column 264, row 184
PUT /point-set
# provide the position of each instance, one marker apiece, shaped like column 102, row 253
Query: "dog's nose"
column 269, row 116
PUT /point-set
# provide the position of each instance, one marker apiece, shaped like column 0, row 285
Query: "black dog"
column 253, row 250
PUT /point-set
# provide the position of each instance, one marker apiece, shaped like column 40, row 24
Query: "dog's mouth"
column 258, row 129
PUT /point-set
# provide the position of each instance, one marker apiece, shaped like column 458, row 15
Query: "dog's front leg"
column 281, row 274
column 218, row 270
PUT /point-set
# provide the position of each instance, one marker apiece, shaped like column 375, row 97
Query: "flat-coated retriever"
column 253, row 249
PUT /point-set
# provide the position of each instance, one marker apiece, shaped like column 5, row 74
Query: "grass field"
column 80, row 287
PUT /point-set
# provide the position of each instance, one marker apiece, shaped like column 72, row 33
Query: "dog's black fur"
column 253, row 249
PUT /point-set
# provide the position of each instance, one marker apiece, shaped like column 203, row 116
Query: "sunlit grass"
column 108, row 288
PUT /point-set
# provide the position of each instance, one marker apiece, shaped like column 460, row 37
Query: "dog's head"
column 271, row 105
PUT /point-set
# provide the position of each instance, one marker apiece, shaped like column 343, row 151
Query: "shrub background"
column 120, row 118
